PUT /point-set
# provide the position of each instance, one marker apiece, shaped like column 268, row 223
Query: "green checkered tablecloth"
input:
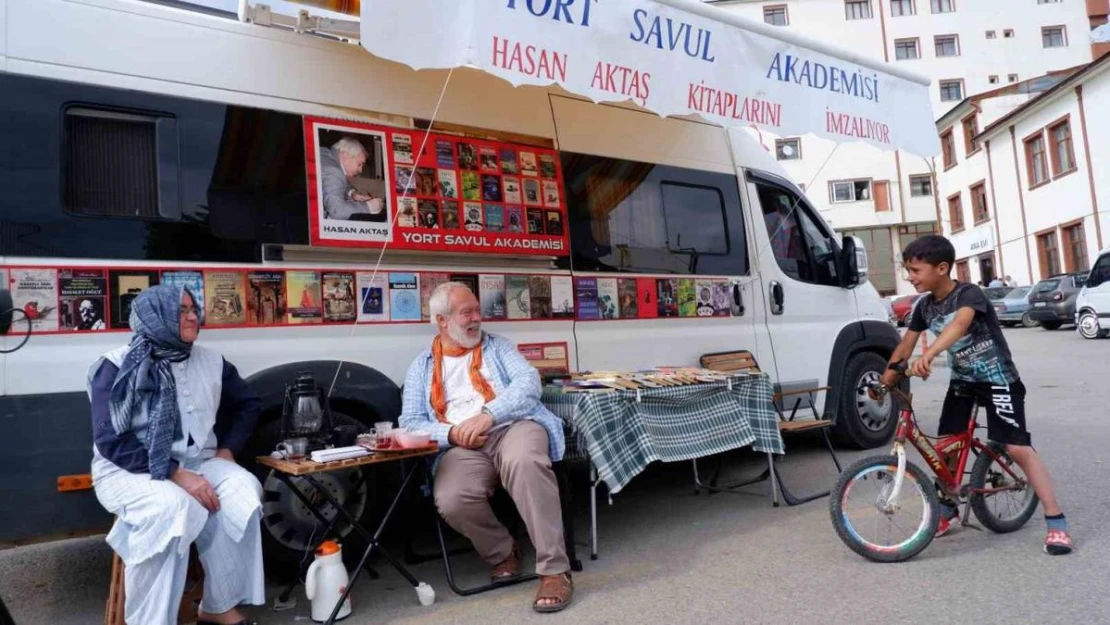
column 622, row 435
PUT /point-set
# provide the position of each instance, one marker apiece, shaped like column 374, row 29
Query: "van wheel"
column 1089, row 327
column 862, row 422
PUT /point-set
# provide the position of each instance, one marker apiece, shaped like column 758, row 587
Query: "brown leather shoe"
column 559, row 588
column 509, row 567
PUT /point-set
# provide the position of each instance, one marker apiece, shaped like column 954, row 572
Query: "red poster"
column 647, row 306
column 374, row 186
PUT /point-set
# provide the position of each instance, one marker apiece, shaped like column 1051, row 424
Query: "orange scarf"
column 439, row 394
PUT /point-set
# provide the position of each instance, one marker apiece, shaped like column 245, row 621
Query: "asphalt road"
column 671, row 557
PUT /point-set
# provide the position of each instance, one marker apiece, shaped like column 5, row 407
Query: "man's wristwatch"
column 350, row 192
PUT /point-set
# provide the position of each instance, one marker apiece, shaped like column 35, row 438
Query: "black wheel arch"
column 859, row 336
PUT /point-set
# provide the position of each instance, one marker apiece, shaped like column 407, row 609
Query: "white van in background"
column 1092, row 306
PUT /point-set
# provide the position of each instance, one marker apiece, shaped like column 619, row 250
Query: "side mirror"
column 6, row 310
column 853, row 262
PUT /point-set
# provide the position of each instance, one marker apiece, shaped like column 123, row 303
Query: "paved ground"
column 671, row 557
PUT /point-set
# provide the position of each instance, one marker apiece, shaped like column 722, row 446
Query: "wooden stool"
column 190, row 599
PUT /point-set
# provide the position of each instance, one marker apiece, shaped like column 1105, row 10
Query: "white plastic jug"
column 325, row 582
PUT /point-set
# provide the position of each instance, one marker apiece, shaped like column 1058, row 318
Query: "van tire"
column 1088, row 326
column 859, row 422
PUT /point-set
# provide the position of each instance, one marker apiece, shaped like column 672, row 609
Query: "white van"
column 1092, row 306
column 182, row 149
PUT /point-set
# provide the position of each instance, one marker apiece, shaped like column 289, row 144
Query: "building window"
column 951, row 90
column 963, row 271
column 991, row 35
column 956, row 213
column 776, row 15
column 943, row 6
column 898, row 8
column 857, row 9
column 1054, row 37
column 993, row 79
column 1012, row 77
column 788, row 149
column 906, row 49
column 1036, row 161
column 947, row 45
column 921, row 186
column 1075, row 248
column 850, row 191
column 948, row 149
column 1063, row 152
column 1008, row 33
column 971, row 128
column 1049, row 253
column 979, row 209
column 911, row 233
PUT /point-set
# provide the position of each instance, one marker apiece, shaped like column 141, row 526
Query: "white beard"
column 458, row 335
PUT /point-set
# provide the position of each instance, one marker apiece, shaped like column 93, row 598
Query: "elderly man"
column 168, row 418
column 338, row 165
column 480, row 398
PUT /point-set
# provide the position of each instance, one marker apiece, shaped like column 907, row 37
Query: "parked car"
column 903, row 308
column 1052, row 302
column 1013, row 308
column 1092, row 306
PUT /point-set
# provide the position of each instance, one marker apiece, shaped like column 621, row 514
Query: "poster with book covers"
column 491, row 294
column 495, row 217
column 445, row 154
column 266, row 302
column 471, row 282
column 304, row 297
column 667, row 297
column 553, row 221
column 512, row 190
column 514, row 219
column 225, row 298
column 607, row 298
column 722, row 298
column 547, row 166
column 407, row 214
column 587, row 298
column 647, row 294
column 471, row 186
column 348, row 167
column 535, row 221
column 448, row 184
column 124, row 286
column 550, row 194
column 687, row 302
column 373, row 297
column 532, row 192
column 427, row 182
column 428, row 284
column 562, row 297
column 539, row 293
column 703, row 292
column 528, row 164
column 487, row 157
column 339, row 297
column 627, row 292
column 191, row 279
column 83, row 297
column 449, row 211
column 404, row 296
column 472, row 216
column 491, row 188
column 402, row 148
column 429, row 213
column 405, row 180
column 468, row 155
column 518, row 303
column 35, row 292
column 508, row 161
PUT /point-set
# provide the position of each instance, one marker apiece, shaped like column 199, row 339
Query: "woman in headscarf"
column 168, row 418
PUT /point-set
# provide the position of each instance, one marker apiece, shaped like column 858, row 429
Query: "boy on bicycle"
column 982, row 372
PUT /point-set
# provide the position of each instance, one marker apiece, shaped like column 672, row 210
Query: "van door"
column 1095, row 300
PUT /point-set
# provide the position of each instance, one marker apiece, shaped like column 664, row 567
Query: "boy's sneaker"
column 945, row 524
column 1057, row 543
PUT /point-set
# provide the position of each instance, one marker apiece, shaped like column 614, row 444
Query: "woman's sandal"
column 558, row 587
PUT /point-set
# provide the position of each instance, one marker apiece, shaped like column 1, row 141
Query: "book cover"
column 491, row 289
column 192, row 280
column 428, row 283
column 512, row 190
column 495, row 217
column 404, row 184
column 518, row 302
column 125, row 285
column 404, row 296
column 703, row 291
column 402, row 148
column 667, row 297
column 647, row 294
column 687, row 299
column 35, row 292
column 471, row 186
column 445, row 154
column 722, row 298
column 450, row 215
column 514, row 218
column 508, row 161
column 448, row 183
column 554, row 223
column 225, row 298
column 586, row 295
column 532, row 192
column 535, row 221
column 472, row 216
column 562, row 297
column 427, row 183
column 303, row 289
column 491, row 188
column 550, row 193
column 266, row 302
column 373, row 293
column 539, row 293
column 83, row 296
column 488, row 159
column 528, row 164
column 429, row 213
column 547, row 166
column 471, row 282
column 407, row 213
column 607, row 298
column 627, row 292
column 468, row 155
column 339, row 297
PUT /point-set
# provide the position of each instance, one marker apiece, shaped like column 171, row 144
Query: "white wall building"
column 966, row 47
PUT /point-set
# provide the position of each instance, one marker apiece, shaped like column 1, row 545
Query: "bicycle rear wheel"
column 1006, row 510
column 859, row 515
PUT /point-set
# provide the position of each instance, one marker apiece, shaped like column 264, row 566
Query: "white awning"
column 673, row 57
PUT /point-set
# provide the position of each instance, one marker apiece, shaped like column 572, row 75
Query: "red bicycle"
column 885, row 508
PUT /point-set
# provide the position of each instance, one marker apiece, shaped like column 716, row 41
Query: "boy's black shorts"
column 1005, row 406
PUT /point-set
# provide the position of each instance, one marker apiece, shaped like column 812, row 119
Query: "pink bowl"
column 414, row 439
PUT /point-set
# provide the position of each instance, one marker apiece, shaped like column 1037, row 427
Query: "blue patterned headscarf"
column 145, row 377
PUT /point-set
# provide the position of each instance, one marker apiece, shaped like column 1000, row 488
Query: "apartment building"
column 966, row 47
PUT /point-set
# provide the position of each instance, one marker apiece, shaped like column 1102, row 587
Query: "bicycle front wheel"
column 869, row 526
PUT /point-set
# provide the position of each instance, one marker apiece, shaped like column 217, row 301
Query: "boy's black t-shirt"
column 982, row 354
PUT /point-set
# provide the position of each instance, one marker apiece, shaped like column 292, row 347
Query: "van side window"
column 627, row 216
column 1101, row 272
column 800, row 244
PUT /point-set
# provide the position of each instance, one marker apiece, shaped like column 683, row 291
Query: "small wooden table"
column 305, row 469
